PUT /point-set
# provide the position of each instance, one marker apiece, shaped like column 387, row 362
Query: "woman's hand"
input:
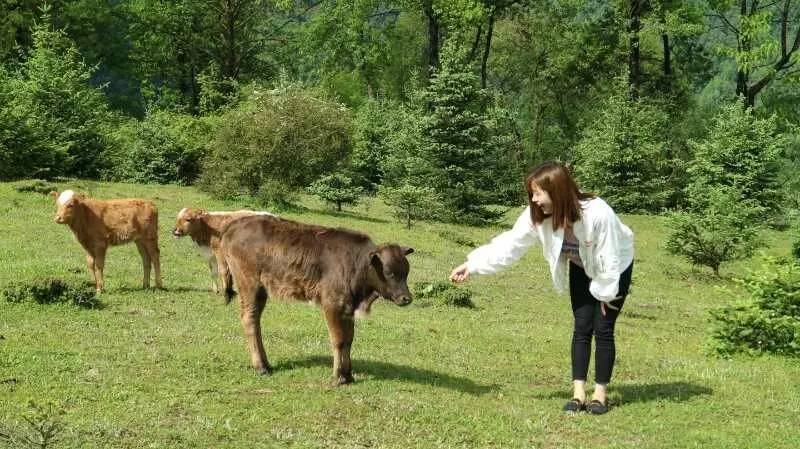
column 460, row 273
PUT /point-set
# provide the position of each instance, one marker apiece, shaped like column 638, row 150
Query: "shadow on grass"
column 125, row 289
column 391, row 371
column 347, row 214
column 669, row 391
column 632, row 393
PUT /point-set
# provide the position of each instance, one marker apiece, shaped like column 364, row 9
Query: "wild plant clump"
column 50, row 291
column 37, row 186
column 769, row 320
column 444, row 294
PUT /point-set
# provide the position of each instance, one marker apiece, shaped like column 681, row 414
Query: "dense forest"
column 656, row 105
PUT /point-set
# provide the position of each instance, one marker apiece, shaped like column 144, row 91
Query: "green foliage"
column 740, row 152
column 50, row 291
column 377, row 142
column 720, row 226
column 442, row 293
column 164, row 148
column 288, row 136
column 769, row 320
column 624, row 156
column 409, row 202
column 337, row 189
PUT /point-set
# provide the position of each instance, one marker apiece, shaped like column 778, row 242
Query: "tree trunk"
column 634, row 58
column 433, row 37
column 487, row 47
column 408, row 219
column 667, row 55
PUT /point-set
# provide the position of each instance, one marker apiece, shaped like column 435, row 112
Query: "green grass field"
column 164, row 369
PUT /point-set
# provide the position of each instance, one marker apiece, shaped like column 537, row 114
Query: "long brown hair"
column 555, row 179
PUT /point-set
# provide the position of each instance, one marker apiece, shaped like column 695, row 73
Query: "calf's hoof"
column 343, row 379
column 264, row 371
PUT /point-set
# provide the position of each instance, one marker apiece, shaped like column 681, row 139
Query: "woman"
column 581, row 232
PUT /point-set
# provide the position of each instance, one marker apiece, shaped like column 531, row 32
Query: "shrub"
column 288, row 135
column 769, row 320
column 50, row 291
column 721, row 227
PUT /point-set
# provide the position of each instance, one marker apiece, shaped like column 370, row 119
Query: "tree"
column 66, row 116
column 763, row 40
column 409, row 202
column 741, row 151
column 336, row 188
column 625, row 157
column 462, row 161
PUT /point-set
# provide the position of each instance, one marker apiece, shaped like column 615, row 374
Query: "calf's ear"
column 53, row 195
column 407, row 250
column 377, row 263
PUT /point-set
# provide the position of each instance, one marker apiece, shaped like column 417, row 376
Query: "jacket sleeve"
column 605, row 285
column 505, row 249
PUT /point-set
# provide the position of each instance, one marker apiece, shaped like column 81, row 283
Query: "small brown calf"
column 205, row 228
column 98, row 224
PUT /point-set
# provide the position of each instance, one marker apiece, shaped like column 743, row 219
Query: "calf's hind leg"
column 252, row 299
column 146, row 264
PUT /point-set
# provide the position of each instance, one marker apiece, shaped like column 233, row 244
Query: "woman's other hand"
column 460, row 273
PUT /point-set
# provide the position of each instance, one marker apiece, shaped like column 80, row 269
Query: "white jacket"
column 605, row 248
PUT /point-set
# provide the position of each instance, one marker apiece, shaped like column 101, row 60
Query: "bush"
column 444, row 294
column 288, row 136
column 50, row 291
column 337, row 189
column 719, row 228
column 768, row 321
column 624, row 157
column 164, row 148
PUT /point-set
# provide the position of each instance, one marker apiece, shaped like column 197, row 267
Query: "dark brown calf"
column 98, row 224
column 342, row 271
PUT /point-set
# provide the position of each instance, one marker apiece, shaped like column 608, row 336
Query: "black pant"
column 590, row 321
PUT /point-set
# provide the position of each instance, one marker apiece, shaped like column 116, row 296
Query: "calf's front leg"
column 341, row 329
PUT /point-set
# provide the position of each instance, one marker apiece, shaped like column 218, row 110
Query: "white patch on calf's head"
column 65, row 196
column 183, row 211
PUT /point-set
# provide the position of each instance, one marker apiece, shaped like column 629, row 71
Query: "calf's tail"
column 227, row 284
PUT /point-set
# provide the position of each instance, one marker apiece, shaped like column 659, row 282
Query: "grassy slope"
column 170, row 368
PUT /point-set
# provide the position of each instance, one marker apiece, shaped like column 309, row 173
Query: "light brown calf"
column 205, row 228
column 98, row 224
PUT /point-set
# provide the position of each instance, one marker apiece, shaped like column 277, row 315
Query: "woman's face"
column 540, row 197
